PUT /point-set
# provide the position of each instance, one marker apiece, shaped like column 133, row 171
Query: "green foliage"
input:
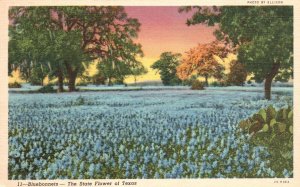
column 166, row 66
column 237, row 75
column 138, row 70
column 189, row 81
column 14, row 85
column 117, row 71
column 261, row 52
column 79, row 100
column 197, row 85
column 274, row 130
column 47, row 89
column 118, row 81
column 98, row 79
column 60, row 40
column 52, row 83
column 37, row 74
column 269, row 120
column 219, row 83
column 263, row 37
column 81, row 84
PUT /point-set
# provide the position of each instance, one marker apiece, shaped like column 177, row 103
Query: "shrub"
column 14, row 85
column 118, row 81
column 218, row 83
column 52, row 83
column 79, row 100
column 35, row 82
column 189, row 81
column 215, row 83
column 81, row 84
column 47, row 89
column 98, row 80
column 274, row 130
column 197, row 85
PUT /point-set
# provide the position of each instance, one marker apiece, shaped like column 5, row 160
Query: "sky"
column 164, row 29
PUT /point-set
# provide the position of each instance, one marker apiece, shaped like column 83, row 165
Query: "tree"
column 238, row 74
column 262, row 36
column 78, row 35
column 117, row 71
column 26, row 51
column 138, row 70
column 201, row 61
column 107, row 34
column 121, row 58
column 166, row 66
column 38, row 44
column 113, row 71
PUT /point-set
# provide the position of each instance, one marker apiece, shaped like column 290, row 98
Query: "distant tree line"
column 200, row 61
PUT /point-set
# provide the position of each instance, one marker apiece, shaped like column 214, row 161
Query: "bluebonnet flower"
column 259, row 172
column 204, row 156
column 219, row 175
column 24, row 164
column 82, row 166
column 38, row 176
column 228, row 169
column 135, row 169
column 262, row 165
column 121, row 159
column 271, row 172
column 240, row 169
column 122, row 148
column 211, row 156
column 150, row 133
column 286, row 173
column 224, row 153
column 246, row 147
column 91, row 170
column 215, row 164
column 156, row 175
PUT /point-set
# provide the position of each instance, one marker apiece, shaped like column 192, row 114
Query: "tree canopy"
column 201, row 61
column 166, row 66
column 262, row 36
column 66, row 37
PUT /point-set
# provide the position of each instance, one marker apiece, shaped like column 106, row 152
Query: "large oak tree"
column 76, row 35
column 263, row 37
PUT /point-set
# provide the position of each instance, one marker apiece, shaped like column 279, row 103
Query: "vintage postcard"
column 148, row 93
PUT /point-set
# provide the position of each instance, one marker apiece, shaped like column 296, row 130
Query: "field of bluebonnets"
column 138, row 134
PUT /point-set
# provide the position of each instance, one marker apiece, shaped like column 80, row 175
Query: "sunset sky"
column 164, row 29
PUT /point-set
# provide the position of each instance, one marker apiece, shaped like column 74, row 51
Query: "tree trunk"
column 268, row 83
column 269, row 78
column 60, row 80
column 109, row 81
column 206, row 80
column 72, row 74
column 71, row 85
